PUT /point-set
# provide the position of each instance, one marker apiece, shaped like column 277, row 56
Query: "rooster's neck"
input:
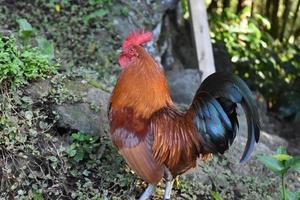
column 142, row 87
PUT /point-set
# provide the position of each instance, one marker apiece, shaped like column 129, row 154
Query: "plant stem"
column 283, row 187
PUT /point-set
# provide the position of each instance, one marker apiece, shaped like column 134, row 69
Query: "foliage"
column 82, row 146
column 35, row 159
column 280, row 164
column 26, row 30
column 81, row 31
column 266, row 64
column 98, row 13
column 216, row 195
column 24, row 62
column 20, row 65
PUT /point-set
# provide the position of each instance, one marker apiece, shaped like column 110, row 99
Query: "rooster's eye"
column 131, row 50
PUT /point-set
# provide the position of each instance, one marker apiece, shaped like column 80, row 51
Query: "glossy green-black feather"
column 215, row 105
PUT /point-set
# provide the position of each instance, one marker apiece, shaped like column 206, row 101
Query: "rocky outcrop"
column 183, row 85
column 89, row 115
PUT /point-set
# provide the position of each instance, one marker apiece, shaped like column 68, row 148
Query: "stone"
column 79, row 117
column 183, row 85
column 268, row 138
column 82, row 116
column 38, row 90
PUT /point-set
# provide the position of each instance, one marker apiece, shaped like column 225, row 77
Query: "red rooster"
column 156, row 139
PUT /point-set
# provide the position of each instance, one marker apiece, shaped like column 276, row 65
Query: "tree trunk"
column 274, row 19
column 285, row 19
column 294, row 19
column 252, row 8
column 201, row 37
column 297, row 33
column 268, row 8
column 226, row 4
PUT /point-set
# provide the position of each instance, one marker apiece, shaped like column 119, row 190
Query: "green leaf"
column 292, row 195
column 28, row 115
column 26, row 29
column 216, row 195
column 271, row 163
column 264, row 21
column 72, row 152
column 46, row 47
column 296, row 163
column 281, row 150
column 53, row 158
column 86, row 172
column 282, row 157
column 79, row 156
column 37, row 196
column 98, row 13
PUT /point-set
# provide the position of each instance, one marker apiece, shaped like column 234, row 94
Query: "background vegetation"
column 262, row 39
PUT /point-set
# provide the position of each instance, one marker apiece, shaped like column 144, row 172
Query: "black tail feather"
column 215, row 106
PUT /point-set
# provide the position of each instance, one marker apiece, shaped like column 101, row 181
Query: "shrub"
column 22, row 64
column 271, row 67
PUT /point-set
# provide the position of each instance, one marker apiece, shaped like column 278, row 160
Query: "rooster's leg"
column 148, row 192
column 168, row 190
column 169, row 184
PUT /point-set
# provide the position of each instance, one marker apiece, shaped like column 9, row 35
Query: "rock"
column 253, row 166
column 272, row 141
column 169, row 4
column 168, row 60
column 98, row 96
column 142, row 14
column 177, row 43
column 183, row 85
column 268, row 139
column 146, row 15
column 38, row 90
column 79, row 117
column 122, row 26
column 6, row 33
column 89, row 116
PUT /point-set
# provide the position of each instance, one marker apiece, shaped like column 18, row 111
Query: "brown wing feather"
column 127, row 130
column 175, row 141
column 140, row 159
column 130, row 134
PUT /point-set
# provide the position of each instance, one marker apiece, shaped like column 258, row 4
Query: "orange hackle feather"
column 142, row 86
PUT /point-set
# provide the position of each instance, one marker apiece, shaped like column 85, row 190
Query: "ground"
column 55, row 144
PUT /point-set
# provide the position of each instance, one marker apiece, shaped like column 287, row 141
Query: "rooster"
column 156, row 139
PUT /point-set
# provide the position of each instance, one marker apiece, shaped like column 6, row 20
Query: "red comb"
column 137, row 37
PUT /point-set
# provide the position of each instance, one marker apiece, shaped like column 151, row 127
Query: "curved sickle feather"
column 219, row 93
